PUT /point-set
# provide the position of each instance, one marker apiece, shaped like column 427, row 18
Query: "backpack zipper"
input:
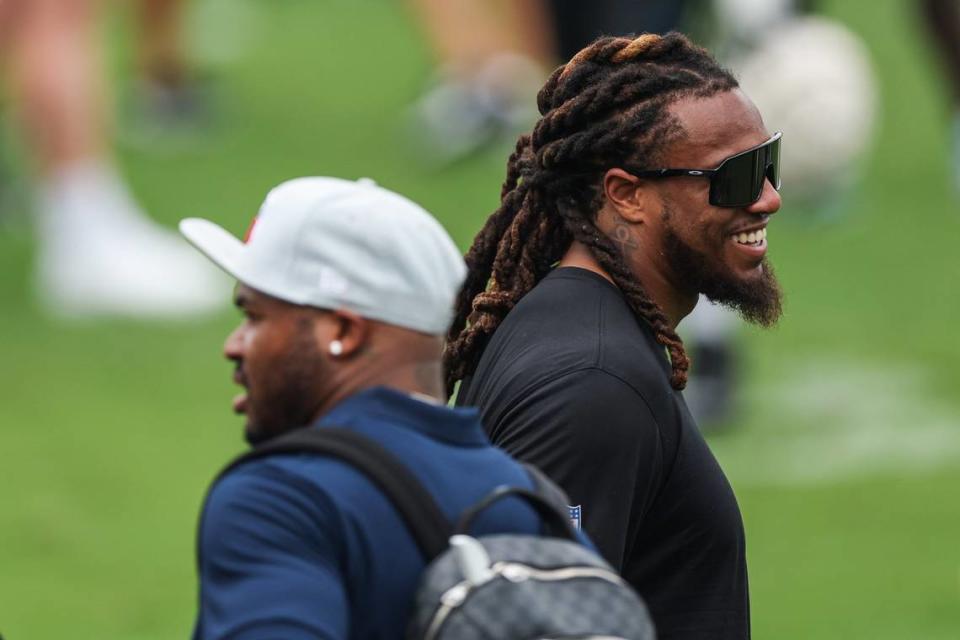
column 514, row 572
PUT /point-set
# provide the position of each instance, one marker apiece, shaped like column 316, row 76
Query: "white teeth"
column 754, row 237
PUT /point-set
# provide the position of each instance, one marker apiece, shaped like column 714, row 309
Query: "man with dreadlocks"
column 649, row 179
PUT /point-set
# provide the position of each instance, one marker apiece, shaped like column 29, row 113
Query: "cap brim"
column 215, row 242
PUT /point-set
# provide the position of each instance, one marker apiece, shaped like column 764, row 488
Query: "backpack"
column 504, row 586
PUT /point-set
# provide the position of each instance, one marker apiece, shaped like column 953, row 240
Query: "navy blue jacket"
column 303, row 546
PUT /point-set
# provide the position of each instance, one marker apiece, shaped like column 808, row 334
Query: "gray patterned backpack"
column 504, row 586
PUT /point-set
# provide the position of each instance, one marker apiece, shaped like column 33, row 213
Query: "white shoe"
column 451, row 121
column 461, row 115
column 103, row 257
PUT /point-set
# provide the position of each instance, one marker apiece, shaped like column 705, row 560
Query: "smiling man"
column 649, row 179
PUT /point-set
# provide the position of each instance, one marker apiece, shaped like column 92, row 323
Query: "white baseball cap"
column 338, row 244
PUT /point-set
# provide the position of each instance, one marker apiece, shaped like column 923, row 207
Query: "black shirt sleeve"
column 596, row 437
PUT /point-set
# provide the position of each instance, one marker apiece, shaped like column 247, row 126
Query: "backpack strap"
column 553, row 519
column 424, row 518
column 546, row 498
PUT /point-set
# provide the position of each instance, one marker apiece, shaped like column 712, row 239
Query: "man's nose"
column 233, row 346
column 769, row 202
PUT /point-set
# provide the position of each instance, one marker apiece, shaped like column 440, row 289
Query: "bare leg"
column 534, row 31
column 161, row 53
column 464, row 33
column 56, row 81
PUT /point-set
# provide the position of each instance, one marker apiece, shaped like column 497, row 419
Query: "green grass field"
column 847, row 461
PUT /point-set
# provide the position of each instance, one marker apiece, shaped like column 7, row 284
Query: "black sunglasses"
column 738, row 180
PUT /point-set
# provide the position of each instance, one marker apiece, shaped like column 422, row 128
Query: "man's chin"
column 254, row 434
column 257, row 433
column 757, row 298
column 749, row 287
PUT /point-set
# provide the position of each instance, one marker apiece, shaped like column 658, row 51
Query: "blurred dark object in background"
column 942, row 19
column 578, row 23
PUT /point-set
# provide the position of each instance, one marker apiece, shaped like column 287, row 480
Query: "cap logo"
column 253, row 223
column 332, row 282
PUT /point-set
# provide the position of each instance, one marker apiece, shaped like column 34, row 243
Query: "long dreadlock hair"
column 606, row 107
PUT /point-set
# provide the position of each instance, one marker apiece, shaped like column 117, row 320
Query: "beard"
column 286, row 398
column 757, row 300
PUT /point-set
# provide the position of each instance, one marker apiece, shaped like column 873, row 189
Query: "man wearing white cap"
column 346, row 289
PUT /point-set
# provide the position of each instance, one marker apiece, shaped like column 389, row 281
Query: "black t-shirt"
column 573, row 383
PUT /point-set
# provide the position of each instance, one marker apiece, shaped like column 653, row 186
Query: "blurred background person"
column 99, row 253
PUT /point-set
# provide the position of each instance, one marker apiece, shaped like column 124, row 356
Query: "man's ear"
column 348, row 334
column 631, row 197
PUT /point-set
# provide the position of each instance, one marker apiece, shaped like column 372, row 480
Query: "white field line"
column 831, row 420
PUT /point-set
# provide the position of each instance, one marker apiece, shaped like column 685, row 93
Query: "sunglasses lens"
column 739, row 180
column 773, row 164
